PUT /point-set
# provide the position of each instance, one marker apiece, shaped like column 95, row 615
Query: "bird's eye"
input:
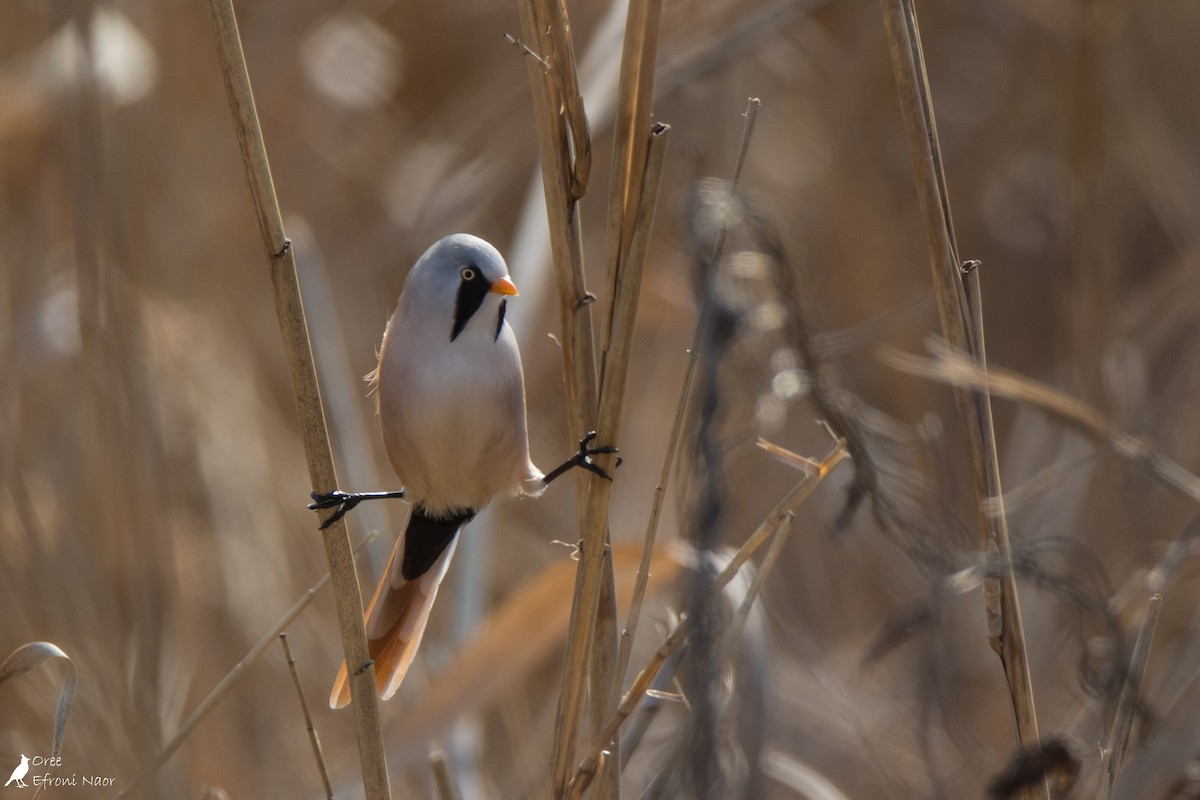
column 468, row 274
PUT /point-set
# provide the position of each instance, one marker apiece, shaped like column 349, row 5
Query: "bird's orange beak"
column 504, row 286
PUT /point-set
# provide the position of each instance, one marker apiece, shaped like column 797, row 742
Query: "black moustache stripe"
column 469, row 299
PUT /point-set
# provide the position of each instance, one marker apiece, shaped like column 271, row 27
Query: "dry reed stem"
column 607, row 674
column 1013, row 648
column 962, row 327
column 232, row 677
column 635, row 90
column 753, row 104
column 578, row 348
column 635, row 609
column 290, row 310
column 544, row 25
column 313, row 740
column 769, row 526
column 660, row 493
column 443, row 777
column 1118, row 737
column 738, row 624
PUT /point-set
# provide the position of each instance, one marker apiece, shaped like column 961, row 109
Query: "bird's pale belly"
column 449, row 446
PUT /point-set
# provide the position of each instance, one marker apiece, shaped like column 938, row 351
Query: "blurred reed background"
column 152, row 519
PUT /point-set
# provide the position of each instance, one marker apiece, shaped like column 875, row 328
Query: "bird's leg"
column 583, row 458
column 346, row 501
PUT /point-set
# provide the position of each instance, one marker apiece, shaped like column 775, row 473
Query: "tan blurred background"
column 152, row 519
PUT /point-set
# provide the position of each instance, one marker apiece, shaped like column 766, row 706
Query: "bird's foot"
column 344, row 501
column 583, row 458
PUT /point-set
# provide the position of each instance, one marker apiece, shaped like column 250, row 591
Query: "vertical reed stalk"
column 594, row 401
column 290, row 310
column 962, row 326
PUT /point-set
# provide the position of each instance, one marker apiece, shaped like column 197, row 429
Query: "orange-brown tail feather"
column 408, row 606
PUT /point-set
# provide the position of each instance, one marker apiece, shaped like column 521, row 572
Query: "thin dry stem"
column 290, row 311
column 232, row 677
column 734, row 634
column 1118, row 738
column 660, row 493
column 641, row 684
column 962, row 327
column 313, row 740
column 1011, row 636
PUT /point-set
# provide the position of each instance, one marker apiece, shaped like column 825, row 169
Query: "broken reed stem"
column 769, row 526
column 290, row 310
column 313, row 740
column 962, row 327
column 232, row 677
column 660, row 493
column 1118, row 738
column 443, row 777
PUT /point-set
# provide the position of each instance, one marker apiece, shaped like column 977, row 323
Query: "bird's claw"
column 343, row 501
column 583, row 457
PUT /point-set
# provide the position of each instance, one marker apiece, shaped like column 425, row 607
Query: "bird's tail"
column 399, row 610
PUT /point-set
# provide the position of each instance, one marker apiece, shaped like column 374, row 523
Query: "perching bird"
column 451, row 401
column 19, row 773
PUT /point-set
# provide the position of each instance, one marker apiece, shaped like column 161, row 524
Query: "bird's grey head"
column 461, row 278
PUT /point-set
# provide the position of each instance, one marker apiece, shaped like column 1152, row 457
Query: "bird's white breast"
column 453, row 412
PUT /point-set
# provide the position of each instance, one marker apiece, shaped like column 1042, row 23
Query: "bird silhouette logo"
column 18, row 774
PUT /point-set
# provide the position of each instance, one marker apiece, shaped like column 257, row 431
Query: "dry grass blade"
column 641, row 684
column 290, row 310
column 799, row 777
column 1118, row 739
column 956, row 369
column 962, row 327
column 32, row 655
column 313, row 740
column 231, row 678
